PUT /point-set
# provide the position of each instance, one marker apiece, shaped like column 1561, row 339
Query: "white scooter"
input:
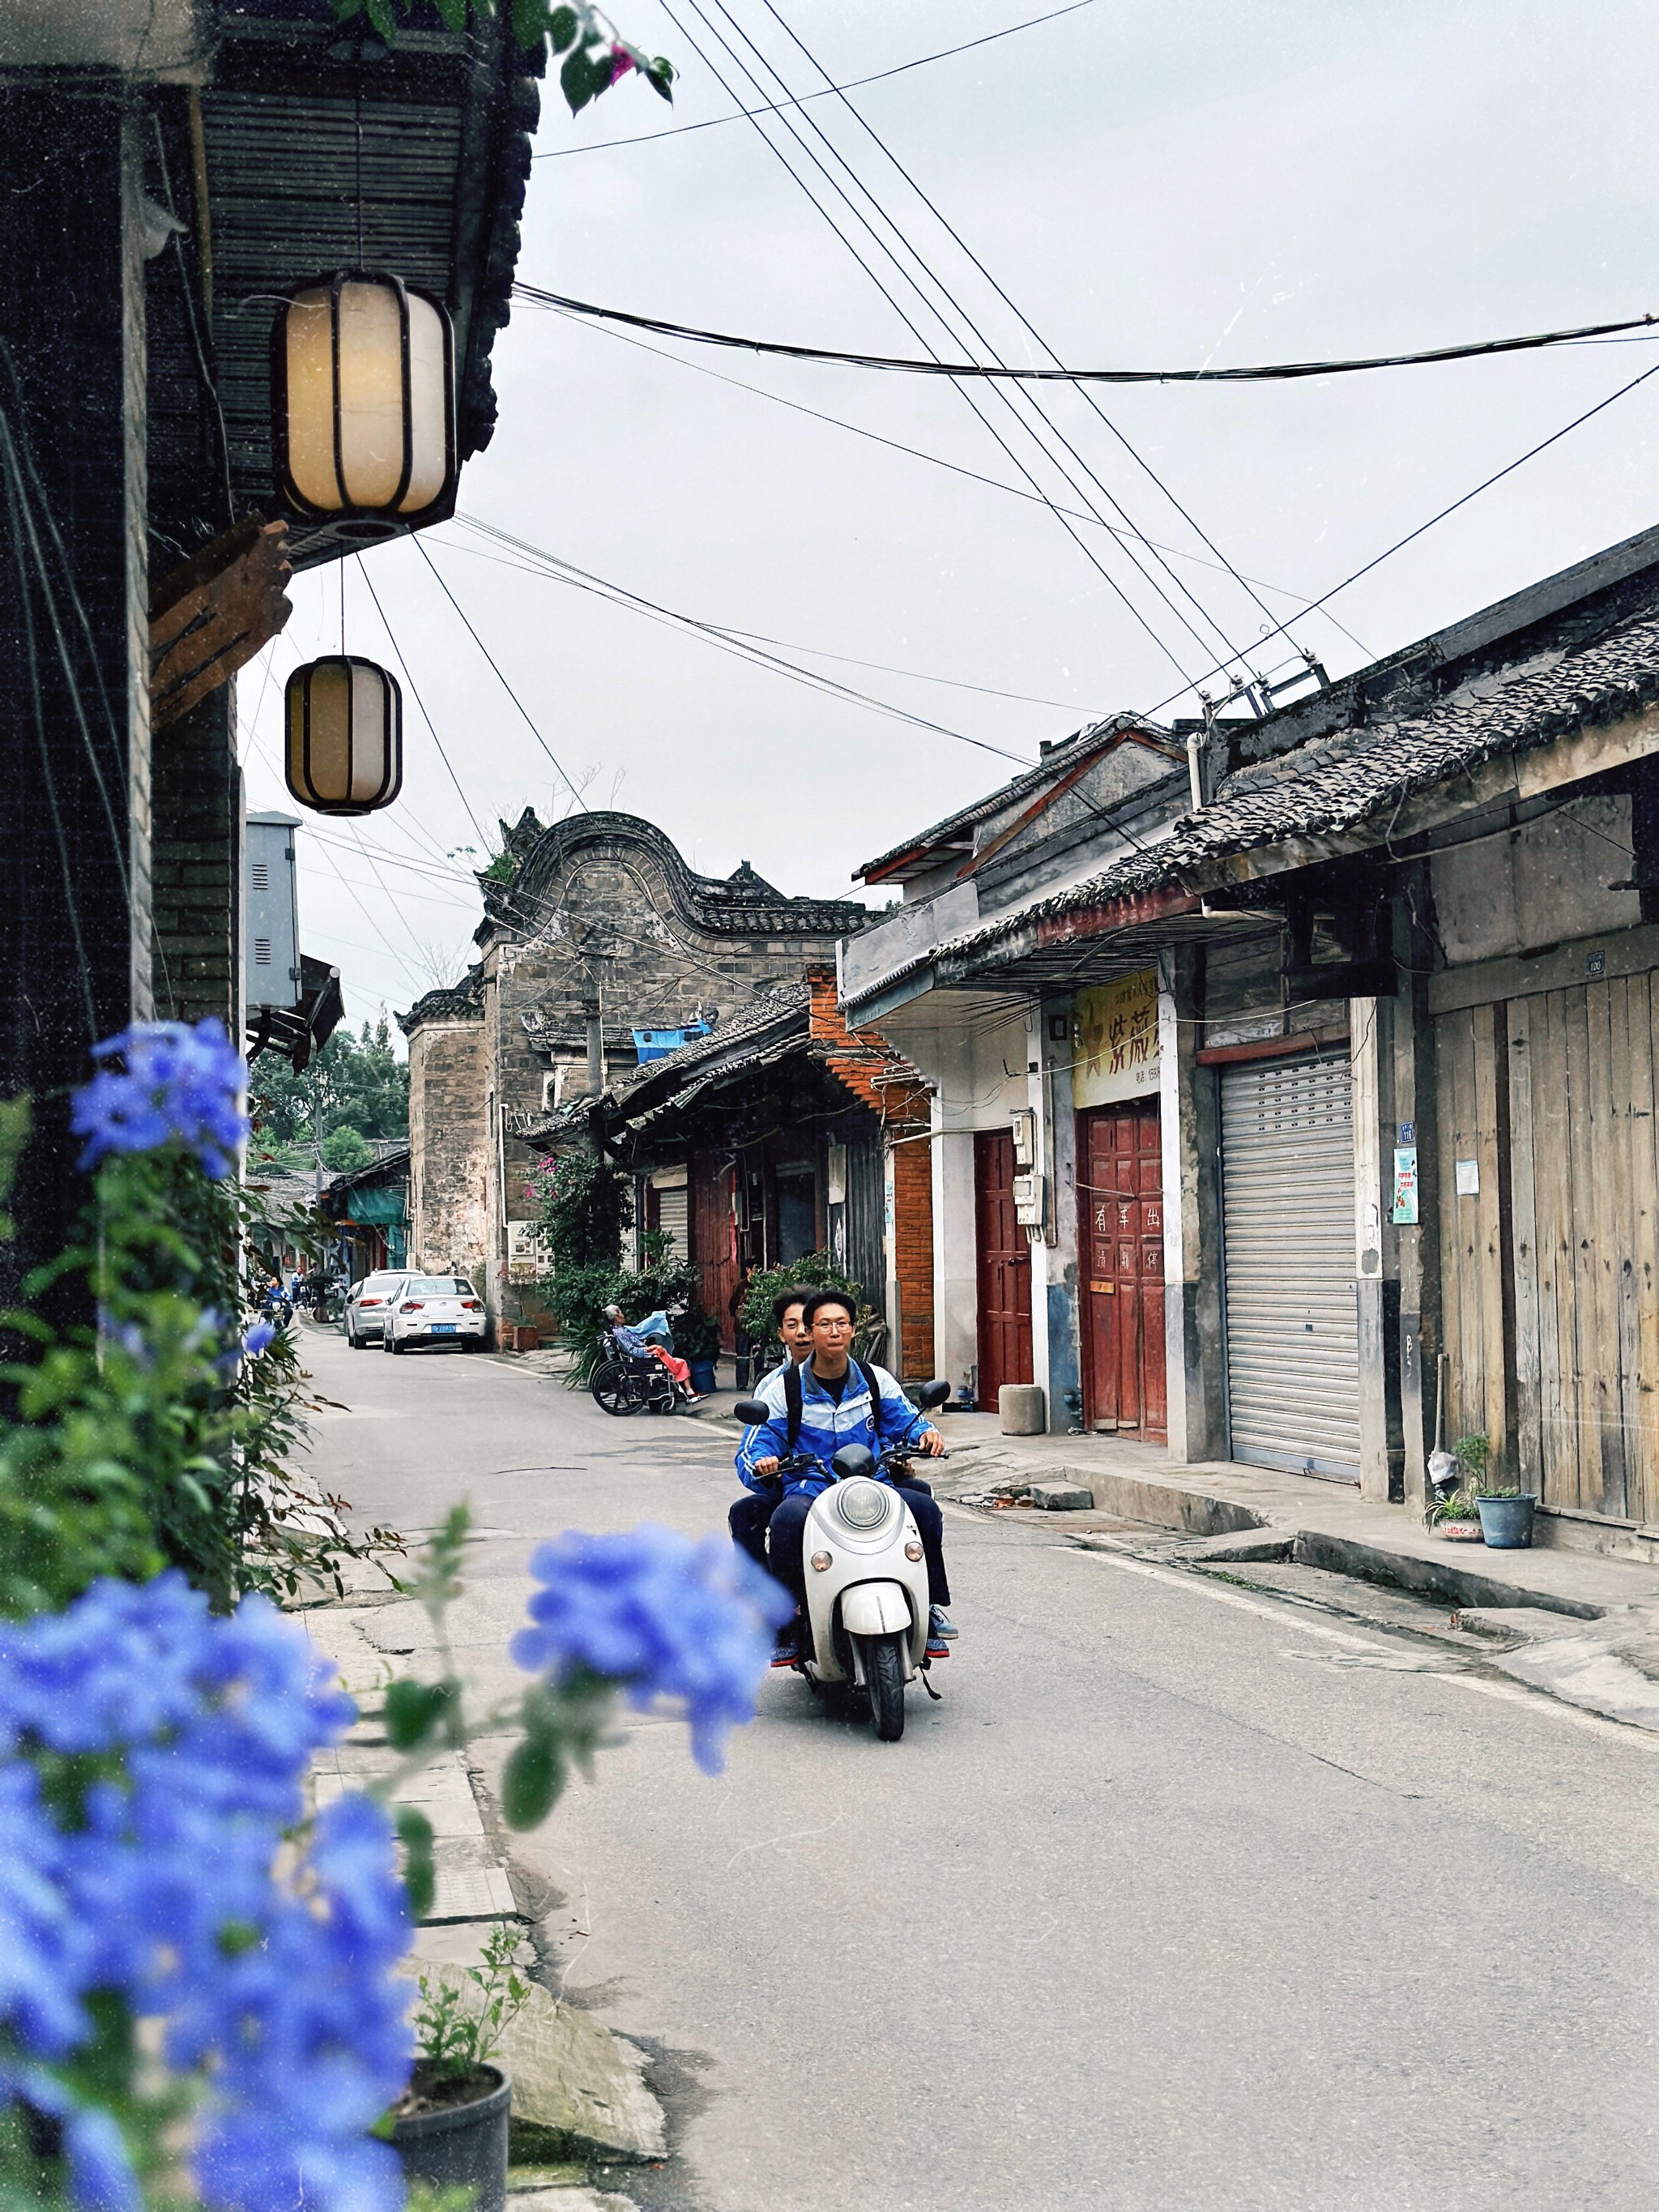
column 866, row 1629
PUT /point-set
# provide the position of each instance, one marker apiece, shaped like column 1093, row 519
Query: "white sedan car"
column 366, row 1306
column 435, row 1309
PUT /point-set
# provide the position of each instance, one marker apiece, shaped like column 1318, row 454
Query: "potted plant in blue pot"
column 697, row 1341
column 449, row 2127
column 1506, row 1510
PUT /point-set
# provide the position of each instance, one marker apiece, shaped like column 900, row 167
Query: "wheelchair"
column 632, row 1382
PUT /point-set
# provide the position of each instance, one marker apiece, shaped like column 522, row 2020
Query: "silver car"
column 367, row 1304
column 435, row 1309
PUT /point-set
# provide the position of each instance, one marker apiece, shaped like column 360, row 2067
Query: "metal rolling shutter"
column 672, row 1215
column 1288, row 1245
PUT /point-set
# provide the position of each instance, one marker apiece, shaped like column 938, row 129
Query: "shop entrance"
column 1004, row 1269
column 1120, row 1211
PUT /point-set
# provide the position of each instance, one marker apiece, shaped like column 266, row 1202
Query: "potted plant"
column 1455, row 1515
column 1454, row 1508
column 1506, row 1510
column 450, row 2126
column 697, row 1341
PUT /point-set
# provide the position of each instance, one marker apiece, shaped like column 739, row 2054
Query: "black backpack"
column 793, row 1396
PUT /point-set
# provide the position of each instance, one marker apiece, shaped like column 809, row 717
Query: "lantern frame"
column 364, row 522
column 391, row 783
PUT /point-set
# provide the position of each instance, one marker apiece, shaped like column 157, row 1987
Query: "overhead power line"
column 772, row 108
column 1452, row 505
column 913, row 275
column 956, row 468
column 535, row 567
column 1268, row 372
column 728, row 640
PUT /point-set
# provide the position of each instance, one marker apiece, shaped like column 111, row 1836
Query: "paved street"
column 1181, row 1899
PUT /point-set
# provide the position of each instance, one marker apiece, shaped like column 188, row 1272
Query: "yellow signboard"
column 1117, row 1050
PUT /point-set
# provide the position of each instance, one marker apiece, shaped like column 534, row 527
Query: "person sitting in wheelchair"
column 650, row 1340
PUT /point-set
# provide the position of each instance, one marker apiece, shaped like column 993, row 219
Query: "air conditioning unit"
column 270, row 913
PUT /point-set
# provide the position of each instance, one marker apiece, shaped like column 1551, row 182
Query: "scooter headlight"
column 861, row 1504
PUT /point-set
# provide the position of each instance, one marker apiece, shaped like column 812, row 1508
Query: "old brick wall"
column 449, row 1147
column 196, row 794
column 913, row 1255
column 875, row 1072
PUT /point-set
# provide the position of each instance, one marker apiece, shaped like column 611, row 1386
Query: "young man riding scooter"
column 764, row 1492
column 841, row 1402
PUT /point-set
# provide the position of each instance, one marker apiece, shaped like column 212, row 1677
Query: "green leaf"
column 380, row 15
column 529, row 22
column 562, row 28
column 413, row 1709
column 531, row 1781
column 584, row 77
column 454, row 12
column 660, row 77
column 420, row 1880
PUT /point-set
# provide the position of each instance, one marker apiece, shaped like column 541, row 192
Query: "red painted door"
column 1120, row 1205
column 1004, row 1269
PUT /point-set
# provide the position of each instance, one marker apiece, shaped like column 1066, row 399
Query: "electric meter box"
column 270, row 913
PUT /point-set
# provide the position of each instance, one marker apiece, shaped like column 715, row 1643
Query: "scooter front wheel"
column 883, row 1677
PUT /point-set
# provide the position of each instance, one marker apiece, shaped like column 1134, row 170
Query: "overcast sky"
column 1153, row 183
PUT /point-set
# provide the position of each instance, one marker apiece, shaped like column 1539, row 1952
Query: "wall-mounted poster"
column 1116, row 1049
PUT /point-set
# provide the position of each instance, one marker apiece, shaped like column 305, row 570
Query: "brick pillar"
column 75, row 896
column 196, row 794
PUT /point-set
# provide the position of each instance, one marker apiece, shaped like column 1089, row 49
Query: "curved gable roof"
column 738, row 905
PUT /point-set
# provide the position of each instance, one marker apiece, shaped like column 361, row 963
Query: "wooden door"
column 715, row 1241
column 1120, row 1201
column 1549, row 1224
column 1004, row 1269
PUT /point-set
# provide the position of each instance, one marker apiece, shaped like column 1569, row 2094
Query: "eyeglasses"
column 824, row 1321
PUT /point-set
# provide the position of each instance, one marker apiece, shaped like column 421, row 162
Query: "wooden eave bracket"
column 210, row 616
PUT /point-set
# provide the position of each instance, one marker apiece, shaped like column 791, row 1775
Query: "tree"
column 346, row 1148
column 352, row 1082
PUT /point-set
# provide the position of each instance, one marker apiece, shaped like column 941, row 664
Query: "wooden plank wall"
column 1552, row 1274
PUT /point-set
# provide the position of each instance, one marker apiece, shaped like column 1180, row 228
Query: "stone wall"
column 449, row 1147
column 601, row 908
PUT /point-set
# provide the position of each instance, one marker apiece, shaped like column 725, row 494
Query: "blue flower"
column 170, row 1884
column 178, row 1083
column 257, row 1338
column 660, row 1615
column 101, row 2175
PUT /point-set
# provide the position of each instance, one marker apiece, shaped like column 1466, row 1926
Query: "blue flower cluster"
column 662, row 1616
column 178, row 1083
column 151, row 1762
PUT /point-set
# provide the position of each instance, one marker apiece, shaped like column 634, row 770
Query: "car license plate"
column 443, row 1328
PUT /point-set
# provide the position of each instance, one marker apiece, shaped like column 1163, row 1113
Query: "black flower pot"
column 461, row 2140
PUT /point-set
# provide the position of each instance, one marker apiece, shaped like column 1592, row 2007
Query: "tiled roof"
column 1594, row 662
column 459, row 1002
column 1054, row 763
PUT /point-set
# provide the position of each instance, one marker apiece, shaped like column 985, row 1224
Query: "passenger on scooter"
column 837, row 1409
column 764, row 1492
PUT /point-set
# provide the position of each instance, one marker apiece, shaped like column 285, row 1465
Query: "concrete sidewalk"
column 1578, row 1625
column 1231, row 1510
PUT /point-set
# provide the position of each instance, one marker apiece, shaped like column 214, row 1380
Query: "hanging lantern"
column 345, row 735
column 363, row 400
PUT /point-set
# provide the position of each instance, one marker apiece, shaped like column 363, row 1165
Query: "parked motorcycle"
column 865, row 1635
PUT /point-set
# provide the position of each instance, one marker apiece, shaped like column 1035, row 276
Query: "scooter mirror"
column 751, row 1412
column 932, row 1394
column 853, row 1458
